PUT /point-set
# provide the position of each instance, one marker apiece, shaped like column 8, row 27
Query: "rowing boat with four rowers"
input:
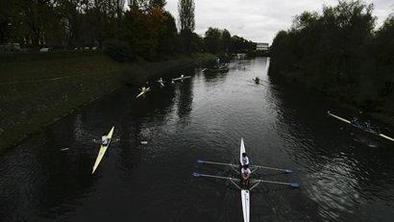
column 357, row 125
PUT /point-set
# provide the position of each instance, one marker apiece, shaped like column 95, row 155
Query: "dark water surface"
column 345, row 176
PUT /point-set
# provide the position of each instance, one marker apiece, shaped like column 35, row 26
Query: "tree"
column 157, row 3
column 168, row 35
column 339, row 53
column 186, row 14
column 139, row 4
column 186, row 17
column 226, row 40
column 212, row 40
column 383, row 53
column 5, row 21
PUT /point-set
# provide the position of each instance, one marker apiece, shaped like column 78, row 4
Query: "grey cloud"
column 260, row 20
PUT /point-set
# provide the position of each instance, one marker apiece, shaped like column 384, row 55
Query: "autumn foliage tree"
column 142, row 29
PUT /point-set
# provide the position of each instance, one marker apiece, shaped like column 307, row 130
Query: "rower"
column 245, row 175
column 104, row 140
column 368, row 124
column 355, row 121
column 245, row 160
column 161, row 82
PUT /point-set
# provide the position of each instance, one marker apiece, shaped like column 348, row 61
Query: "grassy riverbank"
column 36, row 90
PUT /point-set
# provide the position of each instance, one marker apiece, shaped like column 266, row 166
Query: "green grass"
column 36, row 90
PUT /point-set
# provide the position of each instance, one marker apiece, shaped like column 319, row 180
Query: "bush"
column 118, row 51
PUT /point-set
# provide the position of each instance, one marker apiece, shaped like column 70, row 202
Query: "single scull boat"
column 103, row 149
column 161, row 82
column 245, row 192
column 182, row 77
column 144, row 90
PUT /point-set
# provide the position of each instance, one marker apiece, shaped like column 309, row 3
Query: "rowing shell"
column 143, row 91
column 245, row 196
column 181, row 78
column 350, row 123
column 161, row 83
column 103, row 149
column 245, row 193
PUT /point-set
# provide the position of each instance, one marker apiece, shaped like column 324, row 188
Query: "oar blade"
column 294, row 185
column 386, row 137
column 196, row 174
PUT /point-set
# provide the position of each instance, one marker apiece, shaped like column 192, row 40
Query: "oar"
column 213, row 176
column 235, row 184
column 272, row 168
column 215, row 163
column 218, row 177
column 252, row 166
column 338, row 117
column 386, row 137
column 293, row 185
column 255, row 185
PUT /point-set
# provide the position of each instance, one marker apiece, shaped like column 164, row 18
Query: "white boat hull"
column 241, row 151
column 245, row 204
column 181, row 78
column 143, row 92
column 102, row 151
column 245, row 196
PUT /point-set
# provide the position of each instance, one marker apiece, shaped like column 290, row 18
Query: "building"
column 262, row 46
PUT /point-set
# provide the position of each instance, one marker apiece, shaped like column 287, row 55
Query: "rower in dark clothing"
column 245, row 176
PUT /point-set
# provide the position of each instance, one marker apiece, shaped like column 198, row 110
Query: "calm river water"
column 345, row 175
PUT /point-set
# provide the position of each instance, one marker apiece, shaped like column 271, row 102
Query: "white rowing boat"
column 144, row 90
column 161, row 82
column 368, row 131
column 102, row 150
column 245, row 196
column 245, row 192
column 182, row 77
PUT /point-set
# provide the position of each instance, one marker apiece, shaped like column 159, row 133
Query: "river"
column 344, row 175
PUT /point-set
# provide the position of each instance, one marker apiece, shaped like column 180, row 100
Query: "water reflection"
column 199, row 118
column 211, row 78
column 184, row 98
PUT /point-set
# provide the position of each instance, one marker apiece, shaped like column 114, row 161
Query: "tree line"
column 341, row 53
column 142, row 29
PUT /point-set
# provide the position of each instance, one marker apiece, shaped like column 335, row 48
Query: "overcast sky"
column 260, row 20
